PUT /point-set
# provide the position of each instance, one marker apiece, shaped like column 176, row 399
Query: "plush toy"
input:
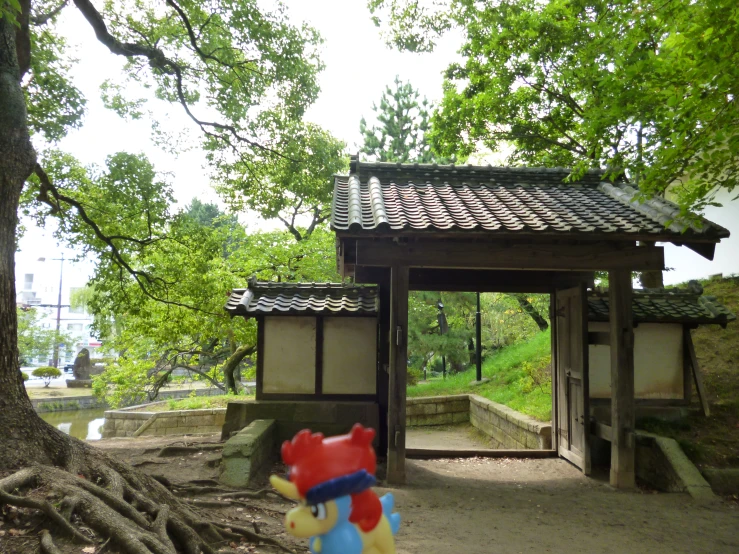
column 338, row 511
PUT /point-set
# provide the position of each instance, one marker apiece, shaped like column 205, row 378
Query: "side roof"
column 388, row 199
column 270, row 298
column 666, row 306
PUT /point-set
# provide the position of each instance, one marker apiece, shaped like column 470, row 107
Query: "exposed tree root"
column 251, row 535
column 47, row 543
column 144, row 462
column 178, row 450
column 133, row 511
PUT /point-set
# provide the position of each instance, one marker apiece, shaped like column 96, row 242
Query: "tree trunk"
column 229, row 368
column 24, row 435
column 529, row 308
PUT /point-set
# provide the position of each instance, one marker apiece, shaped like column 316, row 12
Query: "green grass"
column 519, row 378
column 202, row 402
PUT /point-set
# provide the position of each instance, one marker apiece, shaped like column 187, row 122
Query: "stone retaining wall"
column 506, row 427
column 509, row 428
column 129, row 422
column 437, row 410
column 66, row 403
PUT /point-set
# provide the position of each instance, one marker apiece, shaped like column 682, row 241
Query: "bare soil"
column 471, row 506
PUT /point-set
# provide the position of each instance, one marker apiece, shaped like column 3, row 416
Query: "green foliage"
column 643, row 88
column 504, row 322
column 124, row 383
column 502, row 318
column 55, row 104
column 205, row 255
column 10, row 9
column 425, row 344
column 517, row 376
column 47, row 373
column 33, row 340
column 403, row 125
column 25, row 376
column 295, row 188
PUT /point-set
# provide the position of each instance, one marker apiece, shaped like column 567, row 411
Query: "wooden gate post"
column 398, row 374
column 623, row 447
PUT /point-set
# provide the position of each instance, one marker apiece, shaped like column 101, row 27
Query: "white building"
column 37, row 276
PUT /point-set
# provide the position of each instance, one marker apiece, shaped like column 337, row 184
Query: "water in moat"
column 82, row 424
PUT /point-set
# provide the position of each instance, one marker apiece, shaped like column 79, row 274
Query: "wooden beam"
column 599, row 337
column 383, row 355
column 690, row 352
column 478, row 280
column 601, row 430
column 495, row 255
column 623, row 411
column 554, row 366
column 398, row 374
column 434, row 453
column 481, row 280
column 260, row 358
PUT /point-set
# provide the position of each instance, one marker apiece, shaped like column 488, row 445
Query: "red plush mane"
column 366, row 510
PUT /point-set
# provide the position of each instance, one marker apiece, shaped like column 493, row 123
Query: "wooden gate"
column 571, row 376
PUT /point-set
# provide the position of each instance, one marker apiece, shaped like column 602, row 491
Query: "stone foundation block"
column 246, row 452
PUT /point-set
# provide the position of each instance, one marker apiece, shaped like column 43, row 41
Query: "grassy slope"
column 510, row 382
column 713, row 441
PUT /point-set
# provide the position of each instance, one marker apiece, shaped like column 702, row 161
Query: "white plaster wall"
column 658, row 362
column 289, row 355
column 349, row 355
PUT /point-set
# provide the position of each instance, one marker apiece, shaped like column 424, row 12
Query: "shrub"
column 47, row 373
column 25, row 376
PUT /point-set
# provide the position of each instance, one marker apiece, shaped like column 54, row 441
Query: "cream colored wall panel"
column 349, row 355
column 658, row 362
column 289, row 365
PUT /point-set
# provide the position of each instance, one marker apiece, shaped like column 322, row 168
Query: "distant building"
column 37, row 286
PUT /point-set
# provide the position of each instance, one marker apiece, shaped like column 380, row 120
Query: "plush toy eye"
column 318, row 511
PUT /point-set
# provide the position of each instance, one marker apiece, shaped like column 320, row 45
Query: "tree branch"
column 44, row 18
column 158, row 60
column 47, row 190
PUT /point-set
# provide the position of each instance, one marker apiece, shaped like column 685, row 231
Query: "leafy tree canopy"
column 646, row 88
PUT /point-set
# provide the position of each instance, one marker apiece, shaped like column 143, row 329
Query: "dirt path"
column 486, row 506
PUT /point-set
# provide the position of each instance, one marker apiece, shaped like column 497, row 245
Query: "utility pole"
column 443, row 330
column 55, row 360
column 478, row 345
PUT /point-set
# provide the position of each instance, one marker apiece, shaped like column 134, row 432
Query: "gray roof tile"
column 269, row 298
column 387, row 197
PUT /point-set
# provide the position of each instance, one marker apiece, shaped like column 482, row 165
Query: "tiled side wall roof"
column 267, row 298
column 664, row 306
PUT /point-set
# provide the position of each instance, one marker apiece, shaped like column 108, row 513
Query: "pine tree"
column 403, row 123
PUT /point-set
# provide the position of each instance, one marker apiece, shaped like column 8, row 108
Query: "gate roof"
column 388, row 199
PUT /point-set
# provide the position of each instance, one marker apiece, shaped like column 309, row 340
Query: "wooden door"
column 571, row 372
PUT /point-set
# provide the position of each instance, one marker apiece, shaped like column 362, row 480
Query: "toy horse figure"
column 332, row 479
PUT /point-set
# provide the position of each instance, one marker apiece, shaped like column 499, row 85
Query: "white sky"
column 358, row 67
